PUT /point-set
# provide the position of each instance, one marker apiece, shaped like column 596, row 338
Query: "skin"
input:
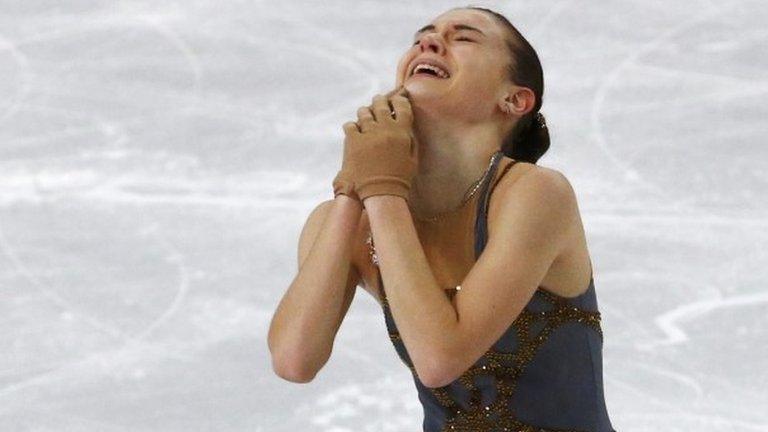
column 459, row 122
column 533, row 221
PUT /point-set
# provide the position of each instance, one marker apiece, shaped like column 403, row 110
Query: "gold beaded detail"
column 532, row 328
column 372, row 249
column 506, row 367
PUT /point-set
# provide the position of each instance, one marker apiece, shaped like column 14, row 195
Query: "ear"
column 518, row 101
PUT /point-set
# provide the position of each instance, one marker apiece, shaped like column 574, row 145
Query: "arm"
column 306, row 321
column 531, row 228
column 422, row 312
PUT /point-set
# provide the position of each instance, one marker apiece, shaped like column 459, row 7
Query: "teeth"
column 441, row 73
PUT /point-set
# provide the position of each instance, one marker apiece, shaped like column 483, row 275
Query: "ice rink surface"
column 158, row 160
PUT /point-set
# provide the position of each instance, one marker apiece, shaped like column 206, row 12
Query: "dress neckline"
column 480, row 203
column 477, row 200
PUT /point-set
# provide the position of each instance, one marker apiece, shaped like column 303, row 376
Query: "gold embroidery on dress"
column 506, row 368
column 497, row 415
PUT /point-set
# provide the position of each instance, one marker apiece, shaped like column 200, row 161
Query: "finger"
column 395, row 91
column 399, row 91
column 365, row 117
column 389, row 95
column 381, row 108
column 402, row 109
column 350, row 127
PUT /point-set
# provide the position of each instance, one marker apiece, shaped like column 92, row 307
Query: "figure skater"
column 476, row 254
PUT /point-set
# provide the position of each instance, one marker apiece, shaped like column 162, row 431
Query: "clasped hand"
column 380, row 152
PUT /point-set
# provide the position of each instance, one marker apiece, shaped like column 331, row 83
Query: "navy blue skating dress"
column 543, row 375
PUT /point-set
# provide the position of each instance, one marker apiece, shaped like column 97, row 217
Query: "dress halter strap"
column 481, row 229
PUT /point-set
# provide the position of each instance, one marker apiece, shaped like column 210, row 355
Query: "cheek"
column 477, row 94
column 483, row 79
column 477, row 83
column 401, row 67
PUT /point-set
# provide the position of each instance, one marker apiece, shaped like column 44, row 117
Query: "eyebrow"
column 457, row 27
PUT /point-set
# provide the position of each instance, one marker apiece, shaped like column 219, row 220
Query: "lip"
column 429, row 61
column 426, row 76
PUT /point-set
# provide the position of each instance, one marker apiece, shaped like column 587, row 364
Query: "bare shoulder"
column 314, row 222
column 532, row 191
column 520, row 179
column 311, row 229
column 551, row 181
column 320, row 211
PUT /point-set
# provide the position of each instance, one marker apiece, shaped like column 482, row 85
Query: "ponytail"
column 529, row 140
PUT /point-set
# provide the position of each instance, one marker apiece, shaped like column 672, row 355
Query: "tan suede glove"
column 342, row 185
column 380, row 153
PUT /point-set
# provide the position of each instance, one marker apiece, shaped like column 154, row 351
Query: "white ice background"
column 159, row 158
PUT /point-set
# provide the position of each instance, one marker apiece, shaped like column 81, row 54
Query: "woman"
column 489, row 296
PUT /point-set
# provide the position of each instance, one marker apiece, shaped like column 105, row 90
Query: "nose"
column 431, row 42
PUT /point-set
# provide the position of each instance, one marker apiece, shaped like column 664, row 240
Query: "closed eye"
column 458, row 39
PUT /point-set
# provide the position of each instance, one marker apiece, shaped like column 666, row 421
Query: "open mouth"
column 430, row 70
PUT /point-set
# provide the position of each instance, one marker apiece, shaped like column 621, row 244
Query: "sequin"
column 372, row 249
column 533, row 327
column 506, row 367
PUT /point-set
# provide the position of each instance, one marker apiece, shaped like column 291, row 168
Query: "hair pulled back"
column 529, row 139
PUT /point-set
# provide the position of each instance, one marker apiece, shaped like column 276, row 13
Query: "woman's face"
column 476, row 61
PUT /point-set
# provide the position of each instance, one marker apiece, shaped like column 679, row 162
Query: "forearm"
column 422, row 312
column 306, row 320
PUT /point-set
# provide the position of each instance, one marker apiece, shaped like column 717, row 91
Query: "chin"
column 424, row 90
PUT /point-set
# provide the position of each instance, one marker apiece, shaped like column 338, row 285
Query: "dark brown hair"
column 525, row 142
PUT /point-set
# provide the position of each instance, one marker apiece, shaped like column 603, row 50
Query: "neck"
column 452, row 157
